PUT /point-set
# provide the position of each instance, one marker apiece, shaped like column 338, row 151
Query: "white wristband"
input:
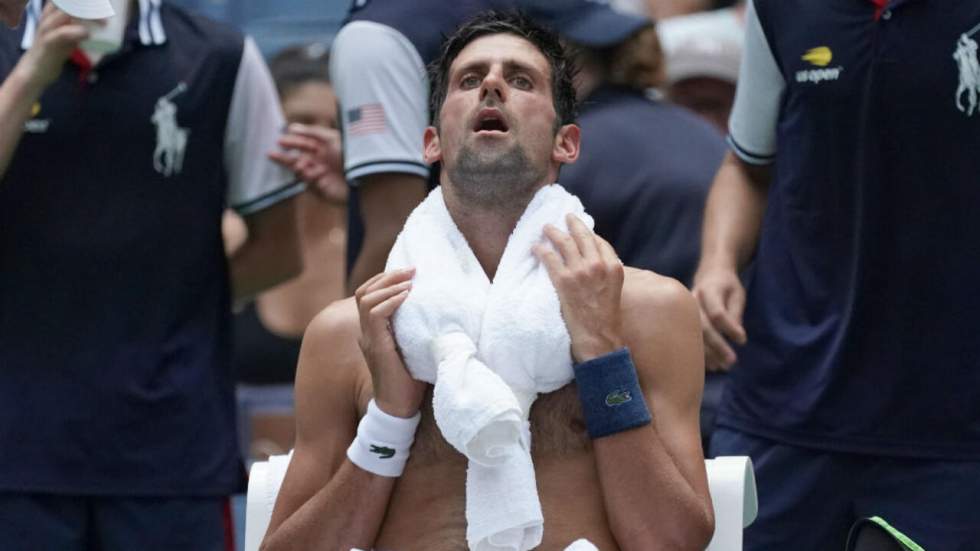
column 383, row 442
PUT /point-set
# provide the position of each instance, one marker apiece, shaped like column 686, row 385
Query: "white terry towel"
column 489, row 349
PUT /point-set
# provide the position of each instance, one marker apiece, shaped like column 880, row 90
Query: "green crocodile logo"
column 385, row 453
column 618, row 398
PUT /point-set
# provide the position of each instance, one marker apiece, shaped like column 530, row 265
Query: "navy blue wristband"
column 610, row 393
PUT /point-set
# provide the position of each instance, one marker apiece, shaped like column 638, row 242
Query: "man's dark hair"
column 520, row 25
column 298, row 65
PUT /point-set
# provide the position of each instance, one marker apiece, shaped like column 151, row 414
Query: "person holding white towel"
column 614, row 440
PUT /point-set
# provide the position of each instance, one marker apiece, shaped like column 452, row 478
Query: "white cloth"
column 489, row 348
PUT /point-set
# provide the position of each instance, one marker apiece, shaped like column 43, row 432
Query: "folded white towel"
column 489, row 349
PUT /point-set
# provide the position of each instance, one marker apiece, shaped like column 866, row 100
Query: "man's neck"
column 486, row 229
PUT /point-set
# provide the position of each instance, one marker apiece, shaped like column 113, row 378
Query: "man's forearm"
column 386, row 201
column 346, row 513
column 18, row 95
column 649, row 502
column 372, row 257
column 733, row 214
column 271, row 253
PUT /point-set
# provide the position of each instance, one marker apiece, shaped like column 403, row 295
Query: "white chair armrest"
column 731, row 482
column 264, row 480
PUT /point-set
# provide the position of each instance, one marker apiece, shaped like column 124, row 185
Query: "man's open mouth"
column 490, row 120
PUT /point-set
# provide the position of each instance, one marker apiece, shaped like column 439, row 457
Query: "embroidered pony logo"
column 168, row 158
column 966, row 60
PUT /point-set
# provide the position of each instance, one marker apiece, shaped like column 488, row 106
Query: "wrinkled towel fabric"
column 489, row 348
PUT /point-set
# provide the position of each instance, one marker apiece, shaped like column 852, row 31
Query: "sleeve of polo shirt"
column 752, row 126
column 255, row 122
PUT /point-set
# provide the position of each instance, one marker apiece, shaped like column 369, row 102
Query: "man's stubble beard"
column 490, row 180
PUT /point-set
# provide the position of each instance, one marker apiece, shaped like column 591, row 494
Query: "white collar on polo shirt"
column 150, row 24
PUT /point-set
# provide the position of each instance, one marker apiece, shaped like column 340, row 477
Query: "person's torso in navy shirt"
column 862, row 313
column 114, row 299
column 643, row 173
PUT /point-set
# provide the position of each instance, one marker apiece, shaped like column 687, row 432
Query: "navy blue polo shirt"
column 862, row 314
column 643, row 173
column 114, row 295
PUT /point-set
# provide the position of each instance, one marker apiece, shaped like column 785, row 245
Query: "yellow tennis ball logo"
column 36, row 109
column 821, row 57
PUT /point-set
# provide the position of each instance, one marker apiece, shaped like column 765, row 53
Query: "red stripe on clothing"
column 879, row 7
column 229, row 524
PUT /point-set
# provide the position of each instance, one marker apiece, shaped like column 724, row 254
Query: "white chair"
column 731, row 482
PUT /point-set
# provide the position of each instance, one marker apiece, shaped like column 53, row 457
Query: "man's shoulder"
column 645, row 289
column 662, row 327
column 337, row 322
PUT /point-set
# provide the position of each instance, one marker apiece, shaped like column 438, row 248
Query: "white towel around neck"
column 489, row 348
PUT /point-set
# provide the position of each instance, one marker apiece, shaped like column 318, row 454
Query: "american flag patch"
column 366, row 119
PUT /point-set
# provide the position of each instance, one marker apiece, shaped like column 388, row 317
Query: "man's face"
column 497, row 138
column 11, row 11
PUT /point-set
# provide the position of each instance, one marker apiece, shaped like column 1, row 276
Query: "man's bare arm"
column 386, row 201
column 56, row 36
column 653, row 478
column 732, row 221
column 270, row 254
column 326, row 502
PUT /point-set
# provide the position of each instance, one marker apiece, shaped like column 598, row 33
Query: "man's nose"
column 494, row 84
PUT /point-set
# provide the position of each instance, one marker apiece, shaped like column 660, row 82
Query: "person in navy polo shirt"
column 117, row 408
column 853, row 185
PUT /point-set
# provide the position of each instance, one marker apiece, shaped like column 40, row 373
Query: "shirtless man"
column 642, row 488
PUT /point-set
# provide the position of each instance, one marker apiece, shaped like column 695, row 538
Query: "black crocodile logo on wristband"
column 618, row 398
column 385, row 453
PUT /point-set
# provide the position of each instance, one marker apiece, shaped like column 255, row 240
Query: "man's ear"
column 567, row 142
column 431, row 148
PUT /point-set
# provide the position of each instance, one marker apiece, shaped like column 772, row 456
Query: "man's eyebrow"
column 510, row 66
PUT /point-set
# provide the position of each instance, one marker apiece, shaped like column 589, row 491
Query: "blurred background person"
column 645, row 165
column 661, row 10
column 117, row 403
column 703, row 51
column 268, row 331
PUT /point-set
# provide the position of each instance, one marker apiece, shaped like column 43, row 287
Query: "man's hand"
column 57, row 35
column 313, row 153
column 395, row 391
column 588, row 277
column 722, row 299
